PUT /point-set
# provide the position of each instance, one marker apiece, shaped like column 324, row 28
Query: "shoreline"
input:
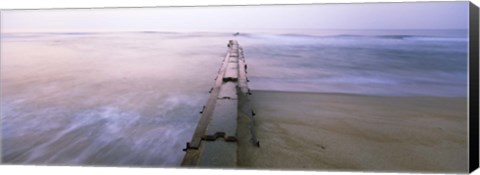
column 353, row 94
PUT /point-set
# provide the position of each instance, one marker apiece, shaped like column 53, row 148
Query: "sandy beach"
column 356, row 132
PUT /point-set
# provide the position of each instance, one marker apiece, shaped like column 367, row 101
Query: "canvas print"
column 323, row 87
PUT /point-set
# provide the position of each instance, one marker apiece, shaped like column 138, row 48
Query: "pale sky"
column 421, row 15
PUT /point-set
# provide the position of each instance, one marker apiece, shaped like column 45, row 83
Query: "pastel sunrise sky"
column 420, row 15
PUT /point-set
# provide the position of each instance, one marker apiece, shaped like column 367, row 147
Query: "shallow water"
column 132, row 98
column 392, row 63
column 103, row 99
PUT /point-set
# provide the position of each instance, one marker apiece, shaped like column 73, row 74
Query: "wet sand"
column 356, row 133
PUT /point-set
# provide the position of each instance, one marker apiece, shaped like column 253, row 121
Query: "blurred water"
column 392, row 63
column 104, row 99
column 132, row 98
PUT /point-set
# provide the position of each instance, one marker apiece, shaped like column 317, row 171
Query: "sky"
column 420, row 15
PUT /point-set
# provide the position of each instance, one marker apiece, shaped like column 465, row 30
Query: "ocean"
column 133, row 98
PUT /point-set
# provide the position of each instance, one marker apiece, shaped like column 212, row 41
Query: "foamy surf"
column 100, row 136
column 102, row 99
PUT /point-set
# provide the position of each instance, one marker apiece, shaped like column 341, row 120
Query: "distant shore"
column 356, row 132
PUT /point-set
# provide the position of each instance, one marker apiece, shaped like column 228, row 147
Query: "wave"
column 354, row 36
column 255, row 36
column 72, row 138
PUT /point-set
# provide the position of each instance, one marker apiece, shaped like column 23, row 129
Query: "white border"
column 35, row 4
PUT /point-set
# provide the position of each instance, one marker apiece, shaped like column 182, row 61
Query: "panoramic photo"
column 343, row 87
